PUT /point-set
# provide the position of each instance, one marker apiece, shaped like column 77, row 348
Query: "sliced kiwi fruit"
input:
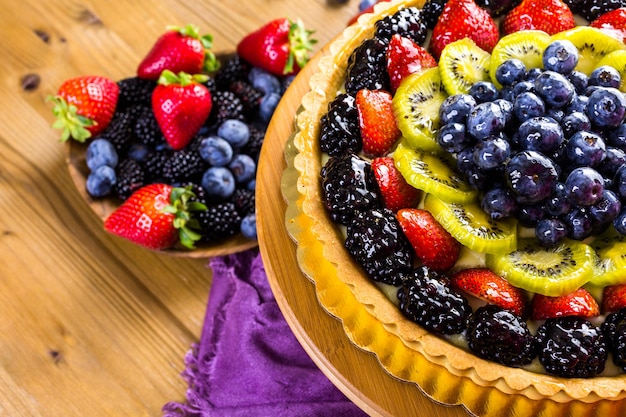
column 593, row 45
column 473, row 227
column 432, row 173
column 616, row 59
column 610, row 247
column 416, row 108
column 526, row 45
column 550, row 271
column 462, row 64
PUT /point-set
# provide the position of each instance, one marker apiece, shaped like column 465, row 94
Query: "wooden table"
column 91, row 325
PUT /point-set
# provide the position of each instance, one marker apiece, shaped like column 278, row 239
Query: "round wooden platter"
column 357, row 373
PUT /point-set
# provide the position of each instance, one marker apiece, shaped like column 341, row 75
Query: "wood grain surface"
column 91, row 325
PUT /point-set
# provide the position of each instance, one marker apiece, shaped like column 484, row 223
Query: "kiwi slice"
column 416, row 108
column 549, row 271
column 432, row 173
column 616, row 59
column 473, row 227
column 462, row 64
column 526, row 45
column 592, row 44
column 610, row 247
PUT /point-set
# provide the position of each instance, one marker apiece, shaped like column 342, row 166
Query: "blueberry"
column 268, row 105
column 101, row 152
column 617, row 137
column 528, row 105
column 573, row 122
column 138, row 151
column 606, row 107
column 556, row 114
column 243, row 168
column 531, row 175
column 510, row 72
column 499, row 203
column 483, row 91
column 523, row 87
column 558, row 203
column 487, row 119
column 533, row 73
column 216, row 151
column 605, row 76
column 455, row 108
column 560, row 56
column 586, row 149
column 619, row 181
column 465, row 159
column 218, row 182
column 235, row 132
column 578, row 103
column 541, row 134
column 264, row 81
column 251, row 185
column 286, row 82
column 550, row 232
column 100, row 181
column 615, row 158
column 619, row 223
column 606, row 208
column 584, row 186
column 491, row 152
column 365, row 4
column 529, row 215
column 579, row 80
column 507, row 109
column 578, row 223
column 248, row 226
column 554, row 89
column 453, row 138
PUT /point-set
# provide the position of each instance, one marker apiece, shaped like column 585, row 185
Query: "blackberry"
column 498, row 7
column 501, row 336
column 226, row 106
column 253, row 146
column 135, row 91
column 593, row 9
column 431, row 12
column 244, row 201
column 211, row 85
column 249, row 96
column 219, row 221
column 349, row 187
column 147, row 128
column 120, row 130
column 427, row 298
column 375, row 240
column 153, row 165
column 184, row 165
column 614, row 330
column 234, row 69
column 571, row 347
column 409, row 23
column 340, row 132
column 130, row 178
column 367, row 67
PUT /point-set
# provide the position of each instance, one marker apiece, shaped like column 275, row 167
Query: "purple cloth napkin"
column 248, row 362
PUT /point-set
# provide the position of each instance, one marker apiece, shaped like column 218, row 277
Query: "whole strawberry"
column 464, row 19
column 280, row 47
column 377, row 122
column 181, row 105
column 179, row 50
column 550, row 16
column 156, row 216
column 405, row 57
column 396, row 192
column 84, row 106
column 613, row 23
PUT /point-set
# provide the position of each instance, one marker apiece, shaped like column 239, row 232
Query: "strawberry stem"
column 211, row 64
column 167, row 77
column 182, row 206
column 300, row 46
column 72, row 124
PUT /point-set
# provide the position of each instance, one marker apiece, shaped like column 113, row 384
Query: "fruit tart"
column 461, row 168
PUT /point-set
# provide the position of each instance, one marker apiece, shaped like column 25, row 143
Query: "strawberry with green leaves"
column 405, row 57
column 579, row 303
column 179, row 50
column 550, row 16
column 433, row 245
column 181, row 105
column 281, row 47
column 486, row 285
column 376, row 121
column 84, row 106
column 157, row 216
column 396, row 192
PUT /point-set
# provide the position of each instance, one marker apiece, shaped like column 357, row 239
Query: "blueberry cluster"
column 547, row 147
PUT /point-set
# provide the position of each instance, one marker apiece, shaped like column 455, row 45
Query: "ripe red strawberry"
column 397, row 193
column 405, row 57
column 550, row 16
column 578, row 303
column 464, row 19
column 181, row 105
column 280, row 47
column 156, row 216
column 376, row 121
column 84, row 106
column 613, row 298
column 433, row 245
column 179, row 50
column 613, row 23
column 490, row 287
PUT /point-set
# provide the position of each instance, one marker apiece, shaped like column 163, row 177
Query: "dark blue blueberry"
column 487, row 119
column 584, row 186
column 550, row 232
column 575, row 122
column 605, row 76
column 478, row 178
column 528, row 105
column 560, row 56
column 101, row 152
column 510, row 72
column 554, row 89
column 499, row 203
column 579, row 80
column 465, row 160
column 264, row 81
column 506, row 93
column 606, row 107
column 543, row 134
column 100, row 181
column 558, row 203
column 484, row 91
column 619, row 182
column 606, row 208
column 248, row 226
column 216, row 151
column 507, row 109
column 219, row 183
column 578, row 223
column 529, row 215
column 491, row 152
column 556, row 114
column 617, row 137
column 243, row 167
column 455, row 108
column 235, row 132
column 531, row 175
column 586, row 149
column 268, row 105
column 615, row 158
column 619, row 223
column 523, row 87
column 138, row 151
column 453, row 138
column 579, row 103
column 533, row 73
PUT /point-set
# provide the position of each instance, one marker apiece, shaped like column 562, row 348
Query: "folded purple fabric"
column 248, row 362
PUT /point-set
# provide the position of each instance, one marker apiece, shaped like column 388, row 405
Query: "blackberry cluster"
column 339, row 127
column 134, row 91
column 427, row 298
column 431, row 12
column 219, row 221
column 367, row 67
column 130, row 177
column 375, row 240
column 408, row 22
column 592, row 9
column 614, row 330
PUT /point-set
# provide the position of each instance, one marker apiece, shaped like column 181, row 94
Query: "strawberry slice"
column 397, row 193
column 376, row 121
column 578, row 303
column 613, row 298
column 433, row 245
column 485, row 284
column 464, row 19
column 550, row 16
column 613, row 23
column 405, row 57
